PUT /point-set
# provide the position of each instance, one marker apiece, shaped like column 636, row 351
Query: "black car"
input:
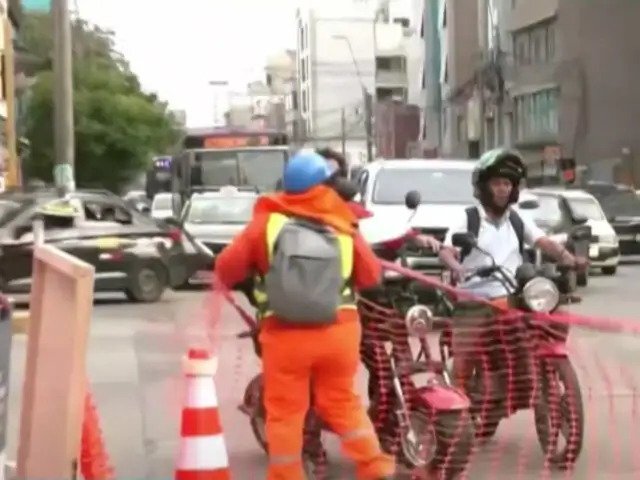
column 622, row 208
column 555, row 216
column 131, row 252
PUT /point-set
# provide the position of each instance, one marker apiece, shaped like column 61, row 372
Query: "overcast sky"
column 177, row 51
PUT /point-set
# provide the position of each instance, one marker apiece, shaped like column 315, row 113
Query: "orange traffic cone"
column 203, row 453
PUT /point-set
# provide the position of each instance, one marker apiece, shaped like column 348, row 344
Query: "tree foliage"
column 118, row 127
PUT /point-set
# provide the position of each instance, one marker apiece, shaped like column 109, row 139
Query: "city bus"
column 227, row 156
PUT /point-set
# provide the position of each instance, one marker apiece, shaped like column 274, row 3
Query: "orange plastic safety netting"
column 552, row 397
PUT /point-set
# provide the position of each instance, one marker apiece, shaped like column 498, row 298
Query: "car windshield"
column 260, row 167
column 587, row 207
column 622, row 203
column 446, row 185
column 548, row 213
column 162, row 202
column 236, row 210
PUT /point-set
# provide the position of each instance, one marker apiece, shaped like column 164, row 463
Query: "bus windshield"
column 261, row 167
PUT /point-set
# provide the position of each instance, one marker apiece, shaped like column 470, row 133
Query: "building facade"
column 335, row 65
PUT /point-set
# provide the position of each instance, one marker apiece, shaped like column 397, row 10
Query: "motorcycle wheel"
column 558, row 378
column 452, row 443
column 258, row 421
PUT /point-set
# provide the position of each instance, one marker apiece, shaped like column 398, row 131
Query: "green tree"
column 118, row 127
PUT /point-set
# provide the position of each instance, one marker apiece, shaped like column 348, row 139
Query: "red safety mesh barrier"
column 94, row 459
column 551, row 396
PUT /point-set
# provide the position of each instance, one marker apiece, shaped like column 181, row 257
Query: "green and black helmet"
column 499, row 162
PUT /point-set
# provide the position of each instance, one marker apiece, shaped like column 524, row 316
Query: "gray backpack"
column 304, row 283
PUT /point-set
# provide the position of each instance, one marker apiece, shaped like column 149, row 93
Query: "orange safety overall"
column 327, row 357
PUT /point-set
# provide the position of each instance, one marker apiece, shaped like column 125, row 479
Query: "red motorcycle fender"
column 552, row 350
column 443, row 398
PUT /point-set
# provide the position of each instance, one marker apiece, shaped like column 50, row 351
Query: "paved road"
column 133, row 366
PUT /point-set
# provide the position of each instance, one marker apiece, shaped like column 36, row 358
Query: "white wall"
column 335, row 83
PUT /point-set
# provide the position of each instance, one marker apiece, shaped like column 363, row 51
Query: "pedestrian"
column 307, row 256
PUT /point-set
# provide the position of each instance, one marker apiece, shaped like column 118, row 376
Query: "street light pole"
column 367, row 99
column 63, row 96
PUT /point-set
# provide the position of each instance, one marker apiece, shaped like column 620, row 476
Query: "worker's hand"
column 429, row 242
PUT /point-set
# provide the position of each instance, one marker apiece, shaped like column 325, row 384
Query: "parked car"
column 554, row 215
column 604, row 249
column 163, row 205
column 214, row 216
column 445, row 189
column 622, row 209
column 131, row 252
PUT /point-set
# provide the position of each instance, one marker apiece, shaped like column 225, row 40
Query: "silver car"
column 215, row 217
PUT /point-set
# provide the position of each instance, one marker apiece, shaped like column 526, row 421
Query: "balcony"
column 391, row 79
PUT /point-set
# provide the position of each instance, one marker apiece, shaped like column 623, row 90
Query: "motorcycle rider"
column 496, row 183
column 293, row 354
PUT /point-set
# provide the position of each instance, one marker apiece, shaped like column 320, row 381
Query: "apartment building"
column 460, row 58
column 335, row 65
column 570, row 74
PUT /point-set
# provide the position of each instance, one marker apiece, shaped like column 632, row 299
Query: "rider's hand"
column 580, row 263
column 429, row 242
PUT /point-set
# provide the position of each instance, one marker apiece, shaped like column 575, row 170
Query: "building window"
column 535, row 45
column 536, row 115
column 302, row 37
column 303, row 69
column 305, row 100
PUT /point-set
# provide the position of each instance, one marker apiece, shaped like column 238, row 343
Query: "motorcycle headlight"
column 541, row 295
column 419, row 321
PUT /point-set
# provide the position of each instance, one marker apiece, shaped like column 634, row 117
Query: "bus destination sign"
column 236, row 141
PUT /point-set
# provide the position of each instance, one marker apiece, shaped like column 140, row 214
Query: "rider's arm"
column 534, row 236
column 367, row 271
column 245, row 254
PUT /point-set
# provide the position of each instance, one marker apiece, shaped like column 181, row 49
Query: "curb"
column 20, row 322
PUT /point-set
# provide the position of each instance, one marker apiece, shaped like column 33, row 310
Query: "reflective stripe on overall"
column 274, row 225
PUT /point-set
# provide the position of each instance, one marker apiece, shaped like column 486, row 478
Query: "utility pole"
column 368, row 122
column 63, row 96
column 13, row 167
column 343, row 131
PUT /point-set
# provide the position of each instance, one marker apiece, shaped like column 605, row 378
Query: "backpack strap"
column 473, row 227
column 518, row 226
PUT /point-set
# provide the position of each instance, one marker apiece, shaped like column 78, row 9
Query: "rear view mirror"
column 463, row 240
column 582, row 232
column 579, row 219
column 412, row 199
column 528, row 205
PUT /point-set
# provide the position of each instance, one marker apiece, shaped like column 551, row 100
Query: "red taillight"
column 175, row 234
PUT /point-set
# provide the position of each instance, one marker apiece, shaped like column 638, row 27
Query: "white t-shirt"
column 501, row 241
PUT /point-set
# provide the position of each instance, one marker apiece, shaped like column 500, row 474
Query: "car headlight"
column 541, row 295
column 609, row 239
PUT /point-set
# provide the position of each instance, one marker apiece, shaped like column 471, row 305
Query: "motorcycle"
column 427, row 427
column 539, row 373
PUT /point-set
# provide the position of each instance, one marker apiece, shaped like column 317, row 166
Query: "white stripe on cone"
column 201, row 393
column 203, row 453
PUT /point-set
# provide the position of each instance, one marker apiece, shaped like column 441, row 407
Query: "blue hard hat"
column 305, row 170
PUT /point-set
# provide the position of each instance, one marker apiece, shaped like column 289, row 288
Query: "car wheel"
column 583, row 279
column 609, row 270
column 147, row 283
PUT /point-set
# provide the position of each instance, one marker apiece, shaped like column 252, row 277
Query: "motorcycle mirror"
column 463, row 240
column 579, row 219
column 412, row 199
